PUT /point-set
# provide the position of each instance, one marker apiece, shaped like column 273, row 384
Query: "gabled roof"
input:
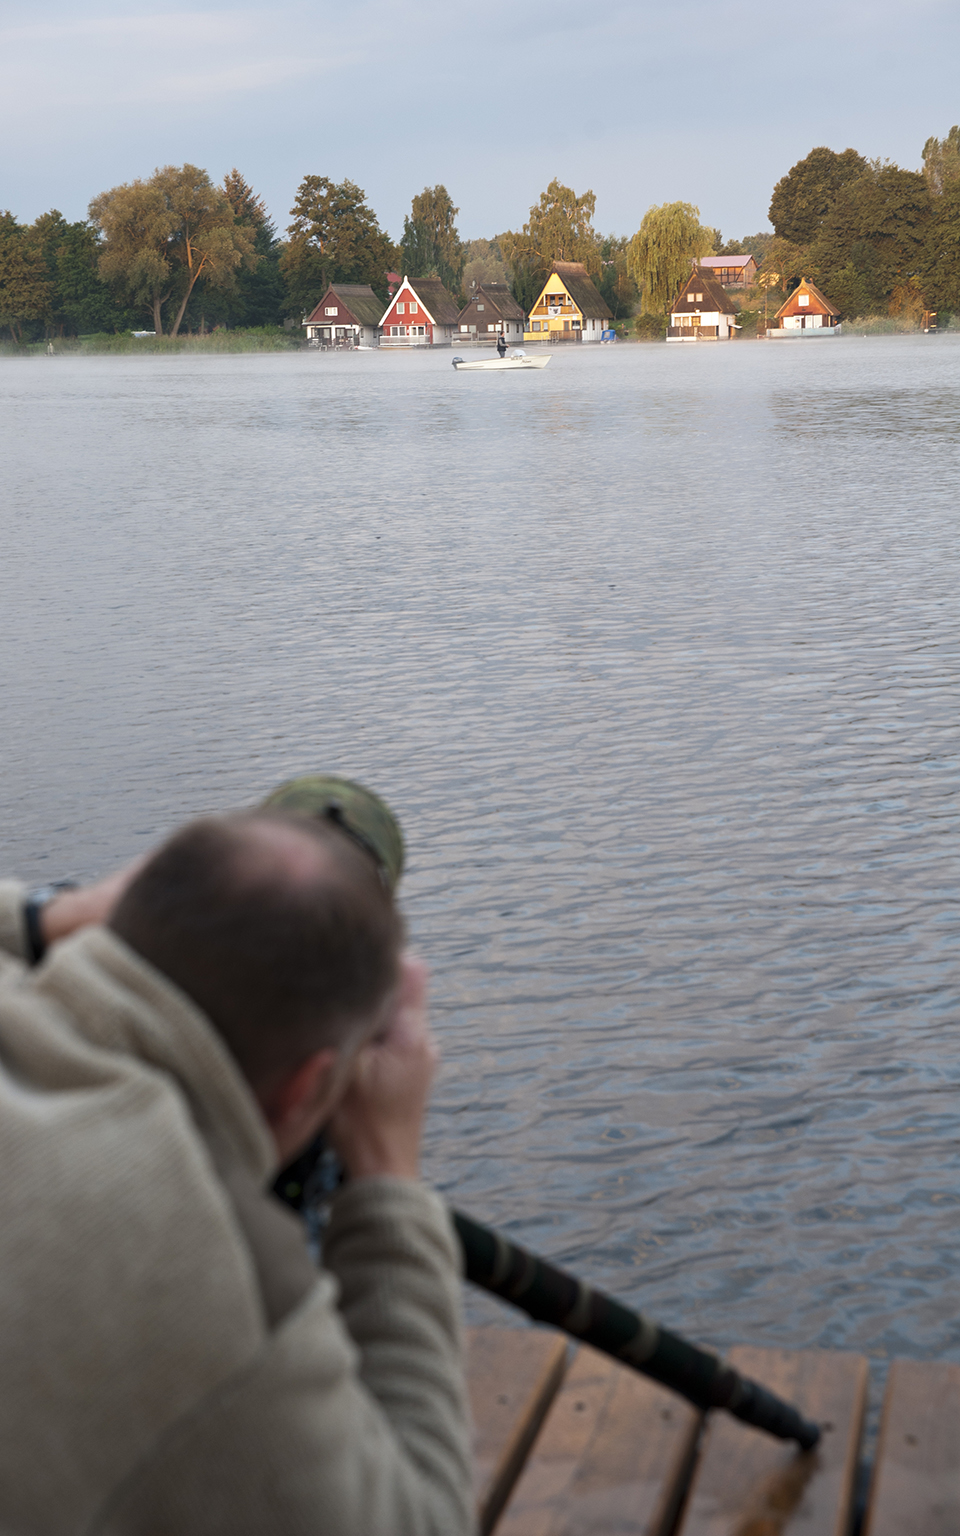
column 441, row 305
column 361, row 300
column 430, row 293
column 714, row 300
column 579, row 284
column 820, row 306
column 727, row 261
column 358, row 300
column 502, row 299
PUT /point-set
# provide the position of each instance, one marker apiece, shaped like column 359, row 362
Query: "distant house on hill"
column 731, row 271
column 569, row 307
column 702, row 311
column 492, row 312
column 348, row 315
column 421, row 314
column 805, row 313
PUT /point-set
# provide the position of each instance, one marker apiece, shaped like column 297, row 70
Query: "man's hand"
column 377, row 1125
column 68, row 911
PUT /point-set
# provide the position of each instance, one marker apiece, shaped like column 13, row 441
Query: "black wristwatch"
column 32, row 907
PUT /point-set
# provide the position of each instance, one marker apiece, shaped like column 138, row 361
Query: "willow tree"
column 163, row 236
column 431, row 242
column 668, row 240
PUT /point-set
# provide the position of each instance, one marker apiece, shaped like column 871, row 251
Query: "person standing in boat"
column 502, row 345
column 171, row 1358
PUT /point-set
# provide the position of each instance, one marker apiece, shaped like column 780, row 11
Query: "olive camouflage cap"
column 364, row 817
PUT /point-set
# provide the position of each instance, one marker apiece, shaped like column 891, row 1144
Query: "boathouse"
column 702, row 311
column 731, row 271
column 492, row 312
column 348, row 315
column 806, row 313
column 569, row 307
column 421, row 314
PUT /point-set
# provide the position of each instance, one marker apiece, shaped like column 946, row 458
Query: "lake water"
column 657, row 654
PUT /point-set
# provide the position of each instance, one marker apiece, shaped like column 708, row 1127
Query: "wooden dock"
column 569, row 1443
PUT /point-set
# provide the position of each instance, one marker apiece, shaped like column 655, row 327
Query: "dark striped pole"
column 550, row 1295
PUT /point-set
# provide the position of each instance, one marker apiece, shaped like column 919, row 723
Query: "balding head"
column 277, row 926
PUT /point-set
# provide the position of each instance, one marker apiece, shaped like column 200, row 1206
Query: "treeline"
column 878, row 240
column 170, row 253
column 174, row 252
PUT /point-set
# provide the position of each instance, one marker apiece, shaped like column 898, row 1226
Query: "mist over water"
column 656, row 654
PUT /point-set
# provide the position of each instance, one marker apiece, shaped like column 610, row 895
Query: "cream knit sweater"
column 171, row 1363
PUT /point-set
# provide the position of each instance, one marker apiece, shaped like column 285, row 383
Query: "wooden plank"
column 512, row 1377
column 915, row 1489
column 613, row 1456
column 747, row 1482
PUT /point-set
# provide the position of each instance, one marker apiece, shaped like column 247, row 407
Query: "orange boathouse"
column 806, row 313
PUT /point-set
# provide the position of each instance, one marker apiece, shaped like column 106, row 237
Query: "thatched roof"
column 501, row 299
column 438, row 303
column 580, row 286
column 359, row 301
column 714, row 300
column 820, row 305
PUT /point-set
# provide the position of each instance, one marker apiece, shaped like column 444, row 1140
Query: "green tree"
column 941, row 264
column 941, row 161
column 334, row 238
column 163, row 236
column 756, row 246
column 616, row 281
column 784, row 265
column 260, row 292
column 80, row 299
column 876, row 235
column 430, row 243
column 560, row 228
column 483, row 263
column 804, row 197
column 26, row 292
column 659, row 256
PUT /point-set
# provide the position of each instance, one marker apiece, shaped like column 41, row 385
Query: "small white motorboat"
column 516, row 360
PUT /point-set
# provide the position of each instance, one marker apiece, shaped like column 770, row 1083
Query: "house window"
column 491, row 327
column 804, row 298
column 420, row 330
column 395, row 330
column 413, row 309
column 464, row 327
column 331, row 310
column 535, row 326
column 479, row 308
column 576, row 325
column 400, row 309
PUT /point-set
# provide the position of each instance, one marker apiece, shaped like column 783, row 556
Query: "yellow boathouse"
column 569, row 307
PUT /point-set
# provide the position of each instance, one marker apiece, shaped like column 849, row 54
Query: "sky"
column 641, row 103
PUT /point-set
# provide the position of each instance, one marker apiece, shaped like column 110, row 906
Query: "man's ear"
column 296, row 1108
